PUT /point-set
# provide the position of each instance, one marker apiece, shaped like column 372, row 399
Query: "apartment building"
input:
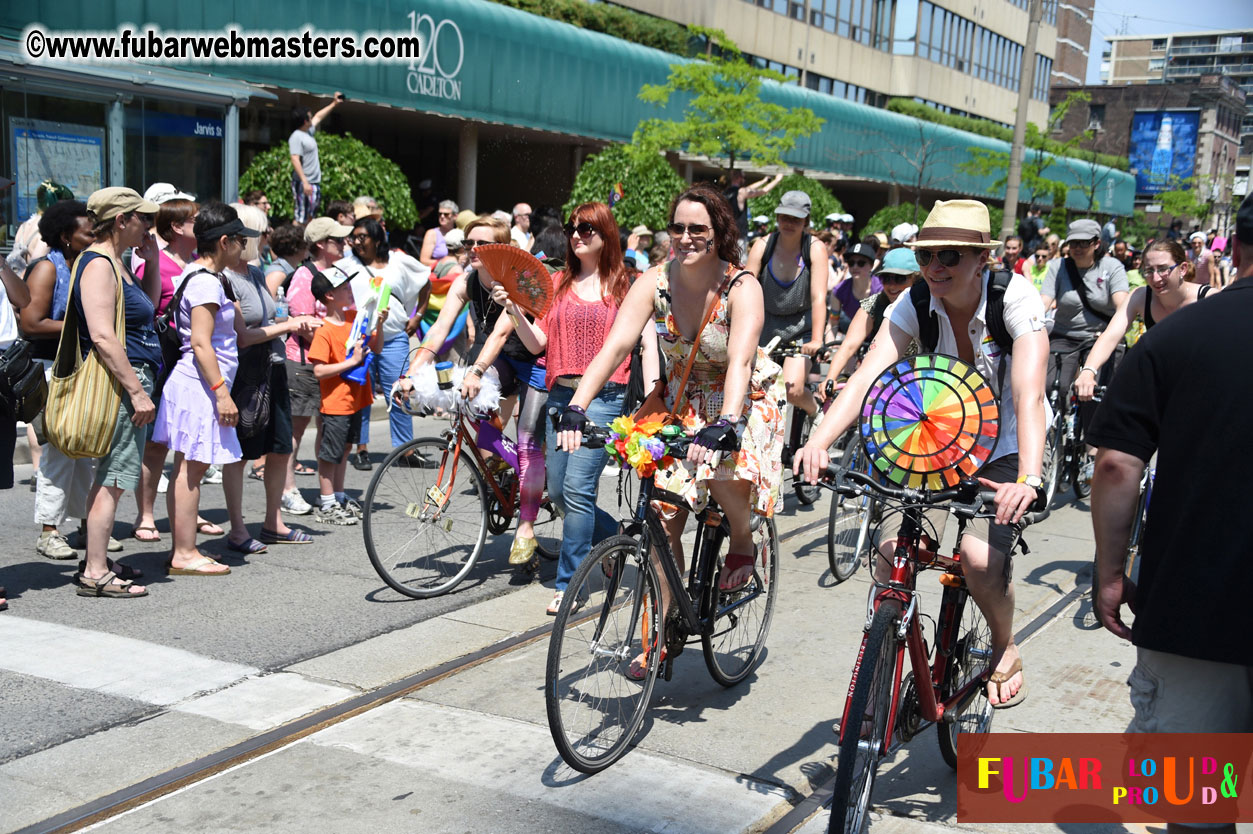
column 962, row 56
column 1074, row 33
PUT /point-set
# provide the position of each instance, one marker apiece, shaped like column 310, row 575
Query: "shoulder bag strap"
column 1076, row 281
column 691, row 357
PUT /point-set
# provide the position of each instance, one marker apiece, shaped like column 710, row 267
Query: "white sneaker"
column 212, row 475
column 53, row 545
column 295, row 504
column 163, row 484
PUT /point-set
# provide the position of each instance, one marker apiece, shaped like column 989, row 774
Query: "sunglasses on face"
column 1163, row 270
column 445, row 214
column 946, row 257
column 356, row 238
column 584, row 229
column 470, row 244
column 892, row 279
column 1082, row 244
column 858, row 263
column 240, row 239
column 677, row 230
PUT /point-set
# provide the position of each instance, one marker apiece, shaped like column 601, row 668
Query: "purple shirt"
column 202, row 289
column 849, row 303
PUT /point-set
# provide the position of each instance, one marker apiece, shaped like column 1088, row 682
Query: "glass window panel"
column 905, row 27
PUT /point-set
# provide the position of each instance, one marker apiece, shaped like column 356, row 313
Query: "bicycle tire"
column 806, row 493
column 740, row 619
column 1052, row 467
column 971, row 659
column 858, row 759
column 848, row 524
column 549, row 529
column 1083, row 486
column 591, row 649
column 418, row 549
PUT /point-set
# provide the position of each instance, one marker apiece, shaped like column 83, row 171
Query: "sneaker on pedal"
column 335, row 515
column 294, row 503
column 53, row 545
column 353, row 508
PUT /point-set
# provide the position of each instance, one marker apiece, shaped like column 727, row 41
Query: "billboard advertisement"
column 1163, row 149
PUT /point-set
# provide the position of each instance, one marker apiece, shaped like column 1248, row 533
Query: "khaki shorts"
column 1175, row 694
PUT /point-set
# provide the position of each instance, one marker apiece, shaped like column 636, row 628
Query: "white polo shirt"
column 1024, row 313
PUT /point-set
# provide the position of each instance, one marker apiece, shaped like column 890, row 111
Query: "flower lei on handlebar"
column 638, row 445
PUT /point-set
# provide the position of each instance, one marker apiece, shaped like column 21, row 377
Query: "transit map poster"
column 1163, row 149
column 70, row 154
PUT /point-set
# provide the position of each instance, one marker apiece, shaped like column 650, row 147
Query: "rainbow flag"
column 615, row 194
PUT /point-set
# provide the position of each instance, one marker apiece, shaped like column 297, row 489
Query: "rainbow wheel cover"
column 929, row 421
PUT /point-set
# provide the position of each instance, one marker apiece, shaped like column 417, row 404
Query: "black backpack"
column 307, row 263
column 772, row 240
column 929, row 324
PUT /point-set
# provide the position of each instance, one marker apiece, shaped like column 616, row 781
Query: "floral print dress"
column 760, row 458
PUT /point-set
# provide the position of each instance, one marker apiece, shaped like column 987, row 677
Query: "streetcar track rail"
column 205, row 767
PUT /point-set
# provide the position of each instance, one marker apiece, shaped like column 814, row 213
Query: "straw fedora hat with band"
column 956, row 223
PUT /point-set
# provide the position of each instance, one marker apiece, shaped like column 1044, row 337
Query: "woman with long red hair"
column 588, row 295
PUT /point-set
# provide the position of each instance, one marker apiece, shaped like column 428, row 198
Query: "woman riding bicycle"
column 794, row 299
column 731, row 400
column 496, row 345
column 588, row 297
column 897, row 275
column 1170, row 287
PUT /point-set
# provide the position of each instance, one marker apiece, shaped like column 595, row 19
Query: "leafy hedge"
column 822, row 201
column 350, row 168
column 611, row 20
column 983, row 127
column 648, row 185
column 888, row 217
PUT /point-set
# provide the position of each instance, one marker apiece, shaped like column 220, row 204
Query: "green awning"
column 496, row 64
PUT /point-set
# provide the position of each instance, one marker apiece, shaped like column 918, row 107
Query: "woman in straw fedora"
column 952, row 248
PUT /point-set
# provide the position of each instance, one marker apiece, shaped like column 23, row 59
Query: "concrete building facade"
column 1074, row 32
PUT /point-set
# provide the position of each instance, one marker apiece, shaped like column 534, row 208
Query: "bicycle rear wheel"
column 608, row 614
column 971, row 660
column 741, row 618
column 868, row 708
column 848, row 525
column 425, row 526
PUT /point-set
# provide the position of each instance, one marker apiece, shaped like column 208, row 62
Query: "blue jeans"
column 573, row 480
column 385, row 369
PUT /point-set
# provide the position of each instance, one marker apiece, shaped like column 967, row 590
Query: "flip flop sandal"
column 248, row 547
column 122, row 571
column 293, row 536
column 638, row 671
column 108, row 585
column 734, row 562
column 1000, row 677
column 194, row 568
column 208, row 528
column 146, row 528
column 301, row 469
column 257, row 473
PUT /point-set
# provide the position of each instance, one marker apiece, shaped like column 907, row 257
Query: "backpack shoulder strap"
column 998, row 283
column 772, row 240
column 807, row 241
column 928, row 324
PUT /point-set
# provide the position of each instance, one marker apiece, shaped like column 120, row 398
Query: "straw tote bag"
column 83, row 395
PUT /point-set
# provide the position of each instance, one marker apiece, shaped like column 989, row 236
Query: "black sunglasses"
column 891, row 278
column 858, row 263
column 584, row 229
column 693, row 229
column 946, row 257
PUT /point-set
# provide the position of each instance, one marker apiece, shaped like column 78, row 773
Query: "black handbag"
column 168, row 338
column 23, row 388
column 251, row 390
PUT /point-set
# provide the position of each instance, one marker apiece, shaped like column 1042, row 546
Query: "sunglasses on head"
column 946, row 257
column 693, row 229
column 858, row 263
column 584, row 229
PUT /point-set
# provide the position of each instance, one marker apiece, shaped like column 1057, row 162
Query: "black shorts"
column 276, row 437
column 8, row 443
column 336, row 429
column 306, row 396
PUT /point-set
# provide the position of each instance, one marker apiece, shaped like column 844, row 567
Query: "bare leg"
column 733, row 497
column 277, row 470
column 984, row 568
column 298, row 426
column 233, row 486
column 795, row 373
column 149, row 476
column 101, row 511
column 35, row 451
column 183, row 502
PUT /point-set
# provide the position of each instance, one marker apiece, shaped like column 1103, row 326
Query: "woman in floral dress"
column 731, row 402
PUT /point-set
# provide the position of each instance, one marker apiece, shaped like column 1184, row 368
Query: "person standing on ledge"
column 306, row 178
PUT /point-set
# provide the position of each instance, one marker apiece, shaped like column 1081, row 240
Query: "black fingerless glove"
column 722, row 436
column 574, row 418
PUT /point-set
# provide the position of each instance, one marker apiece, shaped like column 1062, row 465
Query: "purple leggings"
column 518, row 378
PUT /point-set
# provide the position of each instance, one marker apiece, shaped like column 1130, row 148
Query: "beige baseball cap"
column 108, row 203
column 320, row 228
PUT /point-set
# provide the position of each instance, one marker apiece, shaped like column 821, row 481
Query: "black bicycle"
column 1065, row 452
column 800, row 424
column 607, row 647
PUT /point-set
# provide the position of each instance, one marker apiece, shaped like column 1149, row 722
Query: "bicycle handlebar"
column 968, row 497
column 793, row 348
column 597, row 437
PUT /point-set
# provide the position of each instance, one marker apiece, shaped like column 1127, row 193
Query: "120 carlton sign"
column 441, row 52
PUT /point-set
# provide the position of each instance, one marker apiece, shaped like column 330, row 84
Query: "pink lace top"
column 576, row 331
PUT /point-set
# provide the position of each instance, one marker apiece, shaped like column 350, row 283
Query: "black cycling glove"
column 574, row 418
column 722, row 435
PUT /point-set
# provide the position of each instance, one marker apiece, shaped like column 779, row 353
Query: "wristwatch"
column 1034, row 481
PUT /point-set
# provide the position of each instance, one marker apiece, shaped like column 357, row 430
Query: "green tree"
column 350, row 168
column 724, row 117
column 648, row 185
column 1186, row 199
column 1057, row 220
column 822, row 201
column 889, row 217
column 1039, row 154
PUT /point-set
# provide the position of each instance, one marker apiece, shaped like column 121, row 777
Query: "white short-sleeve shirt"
column 1024, row 313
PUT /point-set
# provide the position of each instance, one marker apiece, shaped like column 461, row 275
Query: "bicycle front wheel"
column 863, row 735
column 425, row 525
column 971, row 660
column 848, row 525
column 741, row 618
column 806, row 493
column 608, row 617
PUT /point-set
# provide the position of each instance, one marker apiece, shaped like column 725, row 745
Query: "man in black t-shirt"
column 1183, row 394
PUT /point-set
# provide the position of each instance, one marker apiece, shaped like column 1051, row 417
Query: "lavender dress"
column 187, row 417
